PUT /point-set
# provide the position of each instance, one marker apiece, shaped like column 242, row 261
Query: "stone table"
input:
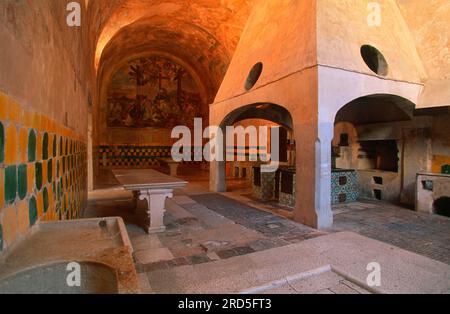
column 152, row 186
column 173, row 165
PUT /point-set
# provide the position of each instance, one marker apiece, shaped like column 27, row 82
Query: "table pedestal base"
column 156, row 200
column 173, row 169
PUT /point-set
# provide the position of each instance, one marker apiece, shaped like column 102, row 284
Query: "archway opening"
column 246, row 157
column 368, row 149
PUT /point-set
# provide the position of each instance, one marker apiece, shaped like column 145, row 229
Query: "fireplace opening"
column 382, row 155
column 441, row 206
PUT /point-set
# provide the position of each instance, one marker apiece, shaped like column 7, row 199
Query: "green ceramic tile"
column 10, row 184
column 38, row 171
column 57, row 168
column 22, row 181
column 54, row 146
column 49, row 171
column 60, row 146
column 45, row 147
column 45, row 196
column 2, row 143
column 64, row 206
column 32, row 146
column 59, row 193
column 66, row 151
column 32, row 209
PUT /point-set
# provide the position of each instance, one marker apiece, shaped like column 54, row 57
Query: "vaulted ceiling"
column 202, row 34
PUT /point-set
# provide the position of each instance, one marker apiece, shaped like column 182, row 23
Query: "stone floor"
column 204, row 227
column 424, row 234
column 200, row 228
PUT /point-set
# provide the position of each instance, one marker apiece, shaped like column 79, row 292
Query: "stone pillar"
column 217, row 176
column 323, row 175
column 313, row 175
column 217, row 170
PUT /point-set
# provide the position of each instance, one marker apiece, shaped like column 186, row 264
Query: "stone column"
column 313, row 175
column 217, row 176
column 323, row 175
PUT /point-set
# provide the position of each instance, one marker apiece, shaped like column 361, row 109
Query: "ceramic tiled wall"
column 130, row 156
column 344, row 187
column 42, row 171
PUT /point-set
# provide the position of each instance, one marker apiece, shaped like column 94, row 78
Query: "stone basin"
column 95, row 278
column 100, row 246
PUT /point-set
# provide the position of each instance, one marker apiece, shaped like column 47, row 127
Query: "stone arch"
column 267, row 111
column 376, row 148
column 375, row 108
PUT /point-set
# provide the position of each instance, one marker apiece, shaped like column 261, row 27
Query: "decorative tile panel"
column 344, row 186
column 32, row 149
column 137, row 156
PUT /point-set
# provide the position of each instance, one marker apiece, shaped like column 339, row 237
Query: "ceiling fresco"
column 153, row 92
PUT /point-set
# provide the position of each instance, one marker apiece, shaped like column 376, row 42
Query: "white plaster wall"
column 338, row 87
column 342, row 29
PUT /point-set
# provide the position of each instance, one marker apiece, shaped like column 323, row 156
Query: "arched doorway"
column 375, row 141
column 254, row 115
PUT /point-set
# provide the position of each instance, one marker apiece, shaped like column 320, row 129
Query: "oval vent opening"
column 374, row 59
column 253, row 76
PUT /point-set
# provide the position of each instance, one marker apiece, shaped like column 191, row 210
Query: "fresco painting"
column 153, row 92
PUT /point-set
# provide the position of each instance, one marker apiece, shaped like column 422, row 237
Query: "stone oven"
column 433, row 193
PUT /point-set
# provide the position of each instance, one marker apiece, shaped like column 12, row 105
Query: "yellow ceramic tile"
column 36, row 121
column 9, row 223
column 27, row 119
column 23, row 144
column 44, row 123
column 11, row 144
column 51, row 127
column 3, row 107
column 15, row 112
column 2, row 190
column 23, row 220
column 31, row 177
column 40, row 205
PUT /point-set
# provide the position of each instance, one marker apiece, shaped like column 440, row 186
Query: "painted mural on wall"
column 153, row 92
